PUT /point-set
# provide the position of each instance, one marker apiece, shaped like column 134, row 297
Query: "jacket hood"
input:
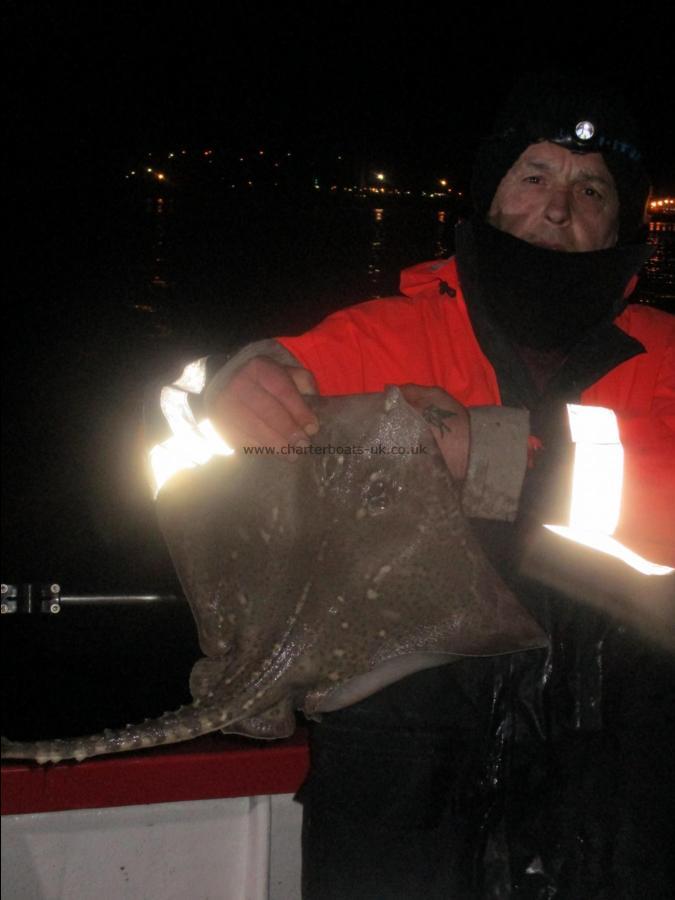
column 427, row 275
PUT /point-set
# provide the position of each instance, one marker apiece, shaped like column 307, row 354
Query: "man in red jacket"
column 502, row 777
column 532, row 308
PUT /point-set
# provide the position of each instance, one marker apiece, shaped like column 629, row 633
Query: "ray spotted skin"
column 317, row 584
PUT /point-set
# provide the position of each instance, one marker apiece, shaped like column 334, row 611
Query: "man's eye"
column 591, row 192
column 533, row 179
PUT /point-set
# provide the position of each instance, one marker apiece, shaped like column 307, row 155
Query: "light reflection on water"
column 658, row 282
column 441, row 245
column 321, row 258
column 159, row 277
column 344, row 256
column 374, row 265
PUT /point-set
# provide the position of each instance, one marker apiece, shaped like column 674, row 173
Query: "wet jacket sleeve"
column 497, row 462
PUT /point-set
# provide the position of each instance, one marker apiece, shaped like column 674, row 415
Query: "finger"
column 415, row 393
column 253, row 432
column 303, row 379
column 287, row 384
column 262, row 402
column 419, row 397
column 261, row 417
column 255, row 407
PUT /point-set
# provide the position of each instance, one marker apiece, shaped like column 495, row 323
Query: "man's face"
column 557, row 199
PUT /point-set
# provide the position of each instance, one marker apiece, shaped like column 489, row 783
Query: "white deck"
column 242, row 848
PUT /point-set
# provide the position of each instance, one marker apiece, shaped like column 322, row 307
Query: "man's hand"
column 262, row 405
column 449, row 422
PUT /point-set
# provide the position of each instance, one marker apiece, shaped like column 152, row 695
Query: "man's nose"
column 559, row 206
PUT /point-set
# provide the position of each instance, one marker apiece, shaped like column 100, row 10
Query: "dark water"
column 118, row 296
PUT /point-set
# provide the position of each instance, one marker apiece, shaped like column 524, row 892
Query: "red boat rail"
column 205, row 768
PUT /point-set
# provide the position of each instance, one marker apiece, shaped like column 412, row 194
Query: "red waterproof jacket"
column 425, row 337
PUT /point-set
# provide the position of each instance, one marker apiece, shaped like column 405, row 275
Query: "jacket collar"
column 603, row 347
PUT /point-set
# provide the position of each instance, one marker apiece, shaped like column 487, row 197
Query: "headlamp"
column 582, row 137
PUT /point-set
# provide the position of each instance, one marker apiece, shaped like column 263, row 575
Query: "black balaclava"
column 546, row 299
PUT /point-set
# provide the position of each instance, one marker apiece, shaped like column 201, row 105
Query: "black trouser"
column 486, row 779
column 396, row 802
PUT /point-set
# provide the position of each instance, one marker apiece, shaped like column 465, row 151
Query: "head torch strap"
column 583, row 138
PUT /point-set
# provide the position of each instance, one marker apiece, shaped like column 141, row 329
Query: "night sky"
column 94, row 85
